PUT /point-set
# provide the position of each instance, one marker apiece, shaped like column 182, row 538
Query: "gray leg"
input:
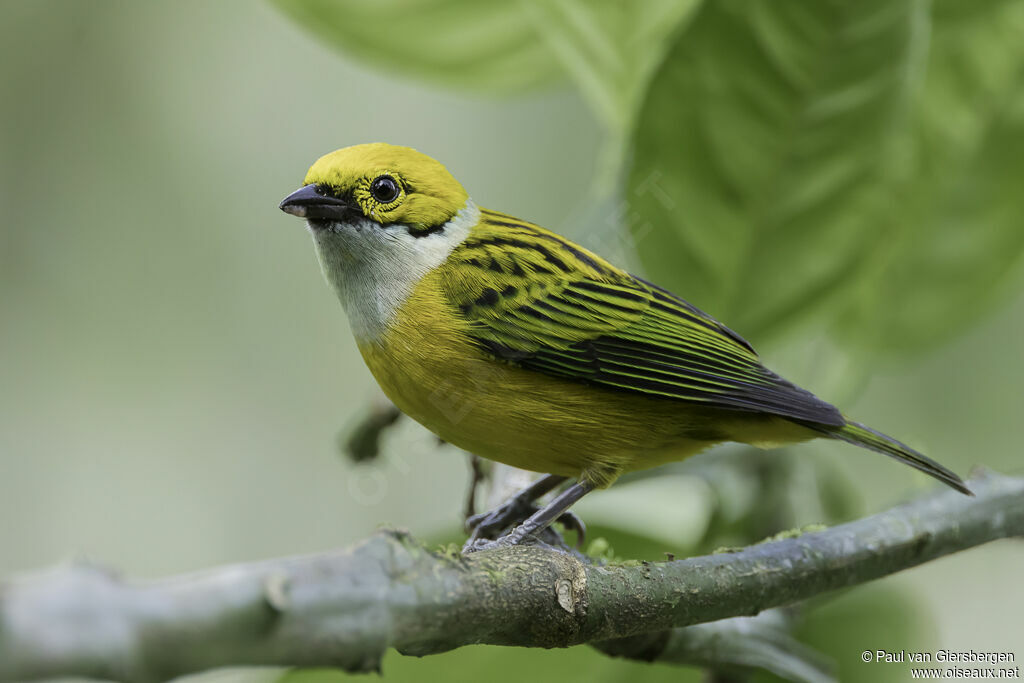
column 538, row 521
column 552, row 511
column 515, row 509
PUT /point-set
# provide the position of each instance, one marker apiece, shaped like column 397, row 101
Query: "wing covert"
column 538, row 301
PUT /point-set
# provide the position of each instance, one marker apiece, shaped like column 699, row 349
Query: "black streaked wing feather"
column 582, row 319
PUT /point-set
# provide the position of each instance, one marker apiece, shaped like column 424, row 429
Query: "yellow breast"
column 429, row 368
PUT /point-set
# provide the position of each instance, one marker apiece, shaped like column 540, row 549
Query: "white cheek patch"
column 373, row 269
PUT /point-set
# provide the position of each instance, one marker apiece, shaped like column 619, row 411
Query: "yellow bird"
column 513, row 343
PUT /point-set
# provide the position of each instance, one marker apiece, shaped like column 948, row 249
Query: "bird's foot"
column 489, row 525
column 547, row 537
column 572, row 522
column 476, row 544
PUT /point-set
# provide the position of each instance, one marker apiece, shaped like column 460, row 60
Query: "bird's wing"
column 538, row 301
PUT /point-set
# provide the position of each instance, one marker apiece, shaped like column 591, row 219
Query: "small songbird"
column 513, row 343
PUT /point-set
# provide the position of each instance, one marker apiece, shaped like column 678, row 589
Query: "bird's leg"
column 515, row 509
column 554, row 510
column 478, row 475
column 538, row 521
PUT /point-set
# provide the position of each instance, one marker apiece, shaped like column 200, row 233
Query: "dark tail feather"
column 865, row 437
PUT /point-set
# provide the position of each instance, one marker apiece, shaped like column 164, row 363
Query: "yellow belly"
column 430, row 370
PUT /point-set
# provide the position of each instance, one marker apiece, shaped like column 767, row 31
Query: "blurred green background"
column 840, row 182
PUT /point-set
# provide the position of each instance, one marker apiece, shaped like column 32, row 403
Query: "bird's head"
column 377, row 186
column 381, row 217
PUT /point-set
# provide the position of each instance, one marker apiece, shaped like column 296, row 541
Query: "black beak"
column 312, row 202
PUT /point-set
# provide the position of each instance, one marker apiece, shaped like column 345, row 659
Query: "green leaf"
column 508, row 665
column 955, row 239
column 867, row 618
column 319, row 675
column 610, row 48
column 488, row 46
column 763, row 152
column 671, row 510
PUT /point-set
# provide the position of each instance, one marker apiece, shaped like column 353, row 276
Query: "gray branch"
column 345, row 608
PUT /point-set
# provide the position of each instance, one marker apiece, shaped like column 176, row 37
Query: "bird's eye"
column 385, row 189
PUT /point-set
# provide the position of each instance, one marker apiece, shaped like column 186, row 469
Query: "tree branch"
column 345, row 608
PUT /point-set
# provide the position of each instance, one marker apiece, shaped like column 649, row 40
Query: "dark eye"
column 385, row 189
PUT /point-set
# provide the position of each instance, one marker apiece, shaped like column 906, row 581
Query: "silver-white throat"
column 374, row 268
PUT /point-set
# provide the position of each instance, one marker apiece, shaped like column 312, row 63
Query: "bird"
column 518, row 345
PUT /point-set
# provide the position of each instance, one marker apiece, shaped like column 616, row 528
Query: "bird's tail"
column 865, row 437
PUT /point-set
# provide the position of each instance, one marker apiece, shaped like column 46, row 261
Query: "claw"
column 526, row 522
column 473, row 521
column 485, row 531
column 505, row 516
column 572, row 522
column 477, row 544
column 547, row 538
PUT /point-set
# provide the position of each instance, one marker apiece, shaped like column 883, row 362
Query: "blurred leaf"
column 746, row 496
column 956, row 233
column 762, row 152
column 320, row 675
column 867, row 618
column 266, row 674
column 751, row 647
column 840, row 501
column 488, row 46
column 610, row 48
column 673, row 509
column 507, row 665
column 625, row 545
